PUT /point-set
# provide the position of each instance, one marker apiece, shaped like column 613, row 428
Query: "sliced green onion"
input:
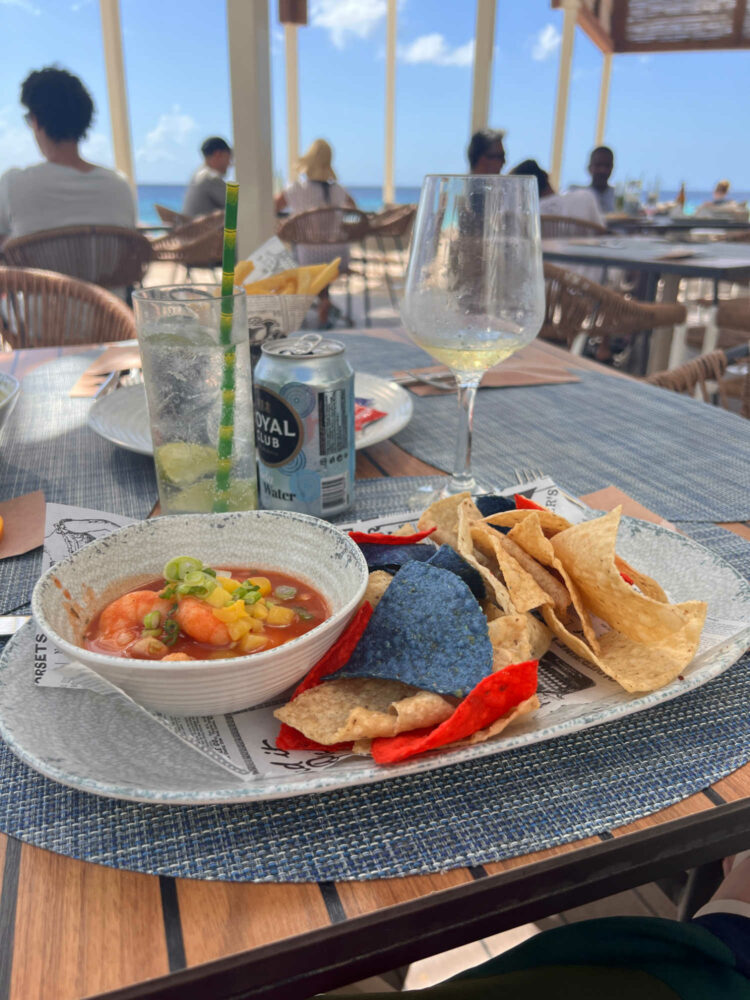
column 178, row 568
column 155, row 632
column 169, row 591
column 285, row 593
column 151, row 620
column 252, row 597
column 304, row 614
column 171, row 632
column 211, row 572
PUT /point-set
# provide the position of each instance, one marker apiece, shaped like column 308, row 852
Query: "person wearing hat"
column 317, row 187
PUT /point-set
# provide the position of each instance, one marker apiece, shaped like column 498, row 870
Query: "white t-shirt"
column 579, row 203
column 51, row 196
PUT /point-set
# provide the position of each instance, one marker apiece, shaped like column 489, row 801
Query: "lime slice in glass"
column 199, row 497
column 181, row 463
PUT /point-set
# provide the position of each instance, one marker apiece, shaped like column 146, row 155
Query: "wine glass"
column 474, row 291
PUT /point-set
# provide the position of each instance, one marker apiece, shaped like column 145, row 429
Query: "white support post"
column 116, row 89
column 250, row 79
column 484, row 41
column 570, row 15
column 389, row 195
column 601, row 117
column 292, row 100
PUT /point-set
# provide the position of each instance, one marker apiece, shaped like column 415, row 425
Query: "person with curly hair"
column 63, row 190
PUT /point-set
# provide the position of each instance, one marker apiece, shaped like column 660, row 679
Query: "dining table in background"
column 655, row 258
column 668, row 224
column 70, row 928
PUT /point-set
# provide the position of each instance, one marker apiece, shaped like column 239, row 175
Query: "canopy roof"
column 665, row 25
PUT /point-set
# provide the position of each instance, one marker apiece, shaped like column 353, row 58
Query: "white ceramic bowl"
column 69, row 594
column 10, row 389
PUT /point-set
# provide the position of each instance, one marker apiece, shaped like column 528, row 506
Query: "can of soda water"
column 303, row 389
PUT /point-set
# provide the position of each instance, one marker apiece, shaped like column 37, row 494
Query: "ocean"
column 369, row 199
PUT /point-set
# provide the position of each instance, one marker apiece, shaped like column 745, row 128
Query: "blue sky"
column 673, row 117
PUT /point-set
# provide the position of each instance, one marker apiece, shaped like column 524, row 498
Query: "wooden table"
column 70, row 929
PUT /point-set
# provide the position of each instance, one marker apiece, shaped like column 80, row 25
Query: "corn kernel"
column 218, row 598
column 259, row 610
column 227, row 583
column 238, row 629
column 279, row 615
column 251, row 642
column 231, row 613
column 263, row 583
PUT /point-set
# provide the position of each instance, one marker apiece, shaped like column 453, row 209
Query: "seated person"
column 486, row 152
column 722, row 206
column 601, row 165
column 317, row 187
column 64, row 190
column 207, row 189
column 579, row 203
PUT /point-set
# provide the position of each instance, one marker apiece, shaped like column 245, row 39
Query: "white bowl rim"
column 136, row 666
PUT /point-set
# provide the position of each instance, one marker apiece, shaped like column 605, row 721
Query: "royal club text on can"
column 304, row 426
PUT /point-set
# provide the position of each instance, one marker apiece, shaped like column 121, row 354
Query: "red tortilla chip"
column 375, row 538
column 492, row 698
column 523, row 503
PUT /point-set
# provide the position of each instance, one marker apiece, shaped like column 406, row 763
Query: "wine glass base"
column 423, row 496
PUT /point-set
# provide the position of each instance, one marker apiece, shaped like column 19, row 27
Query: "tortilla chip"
column 644, row 583
column 443, row 516
column 428, row 630
column 540, row 637
column 377, row 584
column 525, row 592
column 406, row 529
column 644, row 668
column 466, row 517
column 587, row 551
column 550, row 584
column 356, row 708
column 529, row 536
column 482, row 735
column 510, row 641
column 551, row 523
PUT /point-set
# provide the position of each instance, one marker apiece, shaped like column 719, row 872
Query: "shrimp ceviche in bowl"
column 195, row 612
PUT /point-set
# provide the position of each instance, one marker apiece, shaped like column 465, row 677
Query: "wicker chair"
column 103, row 255
column 316, row 226
column 705, row 376
column 169, row 217
column 393, row 222
column 577, row 308
column 196, row 244
column 45, row 309
column 738, row 236
column 560, row 227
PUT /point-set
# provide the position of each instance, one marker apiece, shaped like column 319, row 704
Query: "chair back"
column 325, row 225
column 109, row 256
column 197, row 243
column 560, row 226
column 169, row 217
column 739, row 236
column 392, row 221
column 696, row 374
column 45, row 309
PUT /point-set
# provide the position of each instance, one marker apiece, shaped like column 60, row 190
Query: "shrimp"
column 196, row 619
column 122, row 621
column 177, row 656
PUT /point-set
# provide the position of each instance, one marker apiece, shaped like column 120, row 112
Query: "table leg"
column 661, row 337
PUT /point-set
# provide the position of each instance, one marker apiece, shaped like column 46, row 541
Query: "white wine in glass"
column 474, row 291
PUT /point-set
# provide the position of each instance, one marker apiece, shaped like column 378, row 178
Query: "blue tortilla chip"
column 491, row 504
column 427, row 630
column 392, row 557
column 448, row 558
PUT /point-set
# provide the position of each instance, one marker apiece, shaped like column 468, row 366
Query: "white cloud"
column 342, row 18
column 26, row 5
column 97, row 149
column 167, row 139
column 434, row 49
column 546, row 43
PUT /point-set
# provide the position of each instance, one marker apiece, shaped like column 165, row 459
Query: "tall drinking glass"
column 474, row 289
column 198, row 390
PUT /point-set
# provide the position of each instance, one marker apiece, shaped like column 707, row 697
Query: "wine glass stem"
column 462, row 478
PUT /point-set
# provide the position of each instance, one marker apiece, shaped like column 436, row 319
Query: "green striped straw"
column 226, row 430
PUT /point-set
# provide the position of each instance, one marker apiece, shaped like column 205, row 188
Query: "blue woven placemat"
column 468, row 814
column 48, row 446
column 683, row 459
